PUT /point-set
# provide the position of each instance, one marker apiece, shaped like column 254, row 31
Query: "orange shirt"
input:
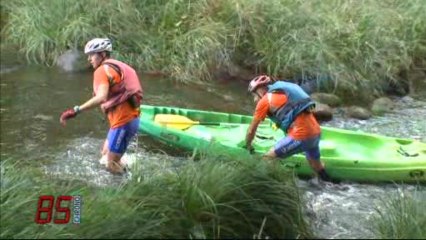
column 122, row 113
column 304, row 126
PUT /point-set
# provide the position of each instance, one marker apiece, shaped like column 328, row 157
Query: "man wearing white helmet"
column 117, row 90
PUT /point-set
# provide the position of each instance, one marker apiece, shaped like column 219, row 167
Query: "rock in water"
column 382, row 105
column 327, row 98
column 323, row 112
column 358, row 113
column 72, row 61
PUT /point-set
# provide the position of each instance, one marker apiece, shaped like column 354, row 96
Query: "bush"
column 211, row 198
column 352, row 44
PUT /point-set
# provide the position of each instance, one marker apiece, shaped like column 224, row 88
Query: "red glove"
column 68, row 114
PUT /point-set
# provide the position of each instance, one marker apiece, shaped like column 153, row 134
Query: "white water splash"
column 82, row 161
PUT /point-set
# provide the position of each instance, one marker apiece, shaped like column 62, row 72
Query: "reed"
column 352, row 44
column 401, row 216
column 214, row 197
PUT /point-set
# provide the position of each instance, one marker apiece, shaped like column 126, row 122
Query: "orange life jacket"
column 129, row 89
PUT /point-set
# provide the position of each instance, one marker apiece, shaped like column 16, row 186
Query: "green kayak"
column 347, row 155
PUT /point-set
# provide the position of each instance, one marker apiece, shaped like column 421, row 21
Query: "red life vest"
column 128, row 89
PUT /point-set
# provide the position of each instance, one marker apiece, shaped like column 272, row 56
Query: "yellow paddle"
column 182, row 122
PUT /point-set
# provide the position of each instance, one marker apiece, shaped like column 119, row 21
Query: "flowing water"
column 33, row 97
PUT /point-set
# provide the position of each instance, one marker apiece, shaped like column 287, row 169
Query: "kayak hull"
column 347, row 155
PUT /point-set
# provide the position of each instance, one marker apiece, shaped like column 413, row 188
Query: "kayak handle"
column 405, row 153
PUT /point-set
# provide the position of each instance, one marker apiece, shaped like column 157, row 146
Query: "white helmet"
column 98, row 45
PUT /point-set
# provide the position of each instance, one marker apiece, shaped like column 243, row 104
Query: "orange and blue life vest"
column 297, row 102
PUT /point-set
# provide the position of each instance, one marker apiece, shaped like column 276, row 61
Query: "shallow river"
column 32, row 98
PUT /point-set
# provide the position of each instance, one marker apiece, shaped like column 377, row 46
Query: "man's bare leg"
column 318, row 167
column 113, row 160
column 114, row 163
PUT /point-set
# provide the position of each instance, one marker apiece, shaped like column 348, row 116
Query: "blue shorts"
column 119, row 138
column 287, row 146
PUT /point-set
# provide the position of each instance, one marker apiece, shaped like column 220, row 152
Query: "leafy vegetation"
column 401, row 217
column 354, row 44
column 212, row 198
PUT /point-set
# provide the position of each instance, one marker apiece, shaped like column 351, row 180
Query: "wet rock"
column 72, row 60
column 314, row 82
column 323, row 112
column 5, row 69
column 407, row 100
column 327, row 98
column 43, row 117
column 228, row 97
column 358, row 113
column 382, row 105
column 230, row 72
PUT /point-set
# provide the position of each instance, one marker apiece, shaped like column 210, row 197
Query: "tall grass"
column 204, row 199
column 401, row 217
column 357, row 44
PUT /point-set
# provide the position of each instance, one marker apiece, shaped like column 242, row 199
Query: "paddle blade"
column 174, row 121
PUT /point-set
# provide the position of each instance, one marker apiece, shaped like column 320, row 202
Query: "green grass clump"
column 353, row 44
column 214, row 197
column 401, row 217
